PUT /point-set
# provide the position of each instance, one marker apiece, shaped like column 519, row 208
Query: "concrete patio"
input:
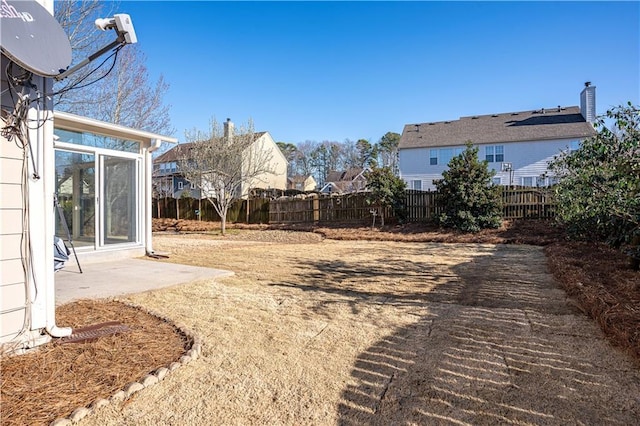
column 124, row 276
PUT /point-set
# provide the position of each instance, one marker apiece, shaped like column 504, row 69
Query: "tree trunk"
column 634, row 260
column 223, row 225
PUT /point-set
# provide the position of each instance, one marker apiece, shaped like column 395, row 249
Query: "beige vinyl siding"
column 12, row 284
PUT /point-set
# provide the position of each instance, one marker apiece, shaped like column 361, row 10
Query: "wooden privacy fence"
column 421, row 206
column 518, row 203
column 257, row 210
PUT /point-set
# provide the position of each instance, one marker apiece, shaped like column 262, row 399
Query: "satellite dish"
column 32, row 38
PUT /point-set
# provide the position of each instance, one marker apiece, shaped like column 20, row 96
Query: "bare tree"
column 119, row 90
column 301, row 163
column 162, row 189
column 388, row 151
column 225, row 167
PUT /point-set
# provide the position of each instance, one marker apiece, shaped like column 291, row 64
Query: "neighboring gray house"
column 517, row 145
column 302, row 183
column 167, row 181
column 345, row 181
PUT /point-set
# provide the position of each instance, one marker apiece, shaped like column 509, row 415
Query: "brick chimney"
column 228, row 130
column 588, row 102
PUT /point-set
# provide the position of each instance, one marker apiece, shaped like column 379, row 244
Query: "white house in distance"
column 167, row 168
column 517, row 145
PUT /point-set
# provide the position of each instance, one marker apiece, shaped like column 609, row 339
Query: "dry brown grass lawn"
column 378, row 332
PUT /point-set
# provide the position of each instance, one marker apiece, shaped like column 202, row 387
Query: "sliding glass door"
column 119, row 207
column 97, row 196
column 75, row 211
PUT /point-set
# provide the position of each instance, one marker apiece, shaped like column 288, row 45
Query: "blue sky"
column 336, row 70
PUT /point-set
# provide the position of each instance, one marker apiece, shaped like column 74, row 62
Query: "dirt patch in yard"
column 313, row 330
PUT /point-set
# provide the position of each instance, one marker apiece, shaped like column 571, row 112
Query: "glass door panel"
column 119, row 201
column 76, row 191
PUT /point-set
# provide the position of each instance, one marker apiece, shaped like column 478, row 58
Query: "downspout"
column 49, row 187
column 48, row 181
column 148, row 189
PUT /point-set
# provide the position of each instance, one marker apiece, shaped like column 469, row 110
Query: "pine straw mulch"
column 55, row 379
column 605, row 287
column 534, row 232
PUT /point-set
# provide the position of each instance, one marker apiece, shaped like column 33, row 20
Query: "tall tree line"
column 319, row 158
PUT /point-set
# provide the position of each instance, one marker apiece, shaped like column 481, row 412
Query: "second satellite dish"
column 32, row 38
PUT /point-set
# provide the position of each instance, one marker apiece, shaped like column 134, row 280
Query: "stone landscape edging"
column 191, row 354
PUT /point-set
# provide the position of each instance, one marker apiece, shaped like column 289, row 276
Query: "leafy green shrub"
column 386, row 189
column 470, row 200
column 598, row 193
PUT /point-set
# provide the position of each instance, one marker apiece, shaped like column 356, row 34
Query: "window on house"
column 574, row 145
column 446, row 154
column 193, row 186
column 494, row 154
column 497, row 180
column 416, row 185
column 180, row 185
column 541, row 181
column 527, row 181
column 433, row 157
column 488, row 154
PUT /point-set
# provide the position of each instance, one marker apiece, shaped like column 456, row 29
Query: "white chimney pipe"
column 588, row 102
column 228, row 130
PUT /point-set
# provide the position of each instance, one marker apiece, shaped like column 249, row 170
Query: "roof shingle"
column 544, row 124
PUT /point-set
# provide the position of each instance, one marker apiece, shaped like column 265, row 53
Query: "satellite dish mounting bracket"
column 123, row 26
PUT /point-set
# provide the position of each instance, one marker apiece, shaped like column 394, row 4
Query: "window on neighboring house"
column 446, row 154
column 553, row 180
column 527, row 181
column 494, row 154
column 433, row 157
column 416, row 185
column 180, row 185
column 193, row 186
column 541, row 181
column 497, row 180
column 574, row 145
column 443, row 155
column 488, row 153
column 173, row 167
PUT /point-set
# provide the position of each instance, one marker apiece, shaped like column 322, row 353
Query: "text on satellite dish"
column 9, row 11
